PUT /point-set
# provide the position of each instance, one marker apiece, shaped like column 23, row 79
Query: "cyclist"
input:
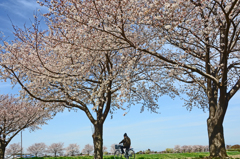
column 126, row 143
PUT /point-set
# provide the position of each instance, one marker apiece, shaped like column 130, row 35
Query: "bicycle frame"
column 127, row 155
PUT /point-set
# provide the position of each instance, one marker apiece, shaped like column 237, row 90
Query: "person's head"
column 125, row 135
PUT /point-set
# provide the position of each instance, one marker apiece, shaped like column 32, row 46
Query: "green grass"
column 233, row 152
column 149, row 156
column 172, row 155
column 179, row 155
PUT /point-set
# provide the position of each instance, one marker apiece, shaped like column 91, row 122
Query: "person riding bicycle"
column 126, row 143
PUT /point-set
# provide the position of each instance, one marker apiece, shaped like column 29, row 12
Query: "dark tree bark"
column 98, row 141
column 215, row 129
column 215, row 134
column 216, row 139
column 218, row 107
column 98, row 129
column 2, row 150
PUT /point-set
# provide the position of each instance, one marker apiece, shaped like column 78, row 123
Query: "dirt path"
column 234, row 156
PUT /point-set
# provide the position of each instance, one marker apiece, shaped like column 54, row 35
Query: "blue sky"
column 173, row 126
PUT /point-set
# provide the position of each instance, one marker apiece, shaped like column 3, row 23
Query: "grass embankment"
column 181, row 155
column 153, row 156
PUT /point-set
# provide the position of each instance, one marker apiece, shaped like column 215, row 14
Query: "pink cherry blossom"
column 16, row 115
column 37, row 149
column 55, row 148
column 72, row 149
column 128, row 51
column 87, row 149
column 13, row 149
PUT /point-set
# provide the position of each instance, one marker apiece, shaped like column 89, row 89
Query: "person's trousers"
column 122, row 147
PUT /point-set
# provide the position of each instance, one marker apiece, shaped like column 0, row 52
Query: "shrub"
column 169, row 150
column 147, row 152
column 235, row 147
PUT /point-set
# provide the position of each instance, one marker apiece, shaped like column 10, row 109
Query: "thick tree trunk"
column 216, row 139
column 2, row 151
column 98, row 141
column 217, row 112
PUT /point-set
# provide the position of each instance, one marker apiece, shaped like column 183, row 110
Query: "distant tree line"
column 55, row 149
column 233, row 147
column 189, row 149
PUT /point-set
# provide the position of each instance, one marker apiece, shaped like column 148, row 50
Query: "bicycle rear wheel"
column 131, row 154
column 117, row 155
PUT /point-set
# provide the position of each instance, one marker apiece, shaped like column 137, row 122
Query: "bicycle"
column 130, row 154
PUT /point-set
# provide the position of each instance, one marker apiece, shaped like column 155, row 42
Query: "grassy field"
column 181, row 155
column 234, row 154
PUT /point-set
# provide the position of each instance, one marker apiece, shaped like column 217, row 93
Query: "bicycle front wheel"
column 117, row 155
column 131, row 154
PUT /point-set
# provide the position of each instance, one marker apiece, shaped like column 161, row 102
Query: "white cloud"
column 28, row 4
column 22, row 8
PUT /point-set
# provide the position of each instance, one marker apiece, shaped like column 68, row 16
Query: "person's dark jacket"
column 126, row 142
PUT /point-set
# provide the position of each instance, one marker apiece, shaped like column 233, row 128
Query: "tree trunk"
column 215, row 127
column 98, row 141
column 216, row 139
column 2, row 151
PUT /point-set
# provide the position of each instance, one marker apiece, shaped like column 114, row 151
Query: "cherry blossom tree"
column 194, row 42
column 54, row 67
column 228, row 147
column 177, row 148
column 112, row 150
column 87, row 149
column 56, row 148
column 184, row 148
column 13, row 149
column 206, row 148
column 189, row 148
column 235, row 146
column 201, row 148
column 37, row 148
column 72, row 149
column 195, row 148
column 16, row 115
column 104, row 149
